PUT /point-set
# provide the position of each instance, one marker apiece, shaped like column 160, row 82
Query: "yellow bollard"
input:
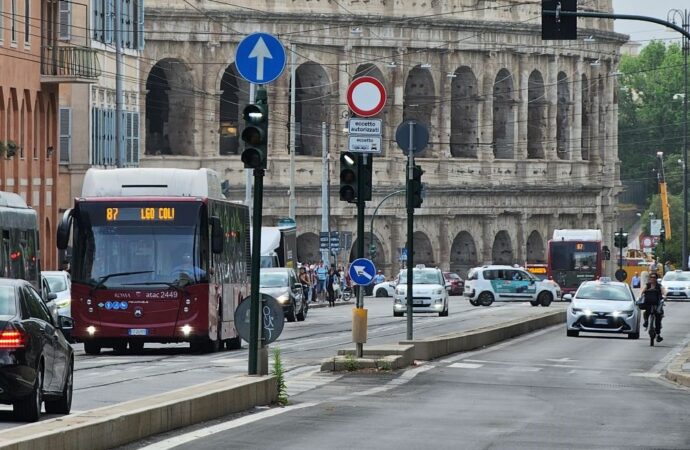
column 359, row 325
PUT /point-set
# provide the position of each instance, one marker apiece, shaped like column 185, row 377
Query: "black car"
column 36, row 361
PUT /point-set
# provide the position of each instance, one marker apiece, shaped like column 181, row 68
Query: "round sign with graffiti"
column 271, row 316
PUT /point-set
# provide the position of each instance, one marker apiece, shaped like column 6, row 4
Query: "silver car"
column 281, row 283
column 429, row 291
column 676, row 285
column 60, row 285
column 603, row 306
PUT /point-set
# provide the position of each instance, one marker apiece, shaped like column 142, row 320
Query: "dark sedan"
column 457, row 284
column 36, row 361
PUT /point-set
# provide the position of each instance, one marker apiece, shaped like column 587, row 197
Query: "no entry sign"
column 366, row 96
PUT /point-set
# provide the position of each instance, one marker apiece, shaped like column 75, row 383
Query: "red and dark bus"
column 574, row 256
column 158, row 255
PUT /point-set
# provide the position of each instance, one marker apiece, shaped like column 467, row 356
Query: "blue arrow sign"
column 260, row 58
column 362, row 271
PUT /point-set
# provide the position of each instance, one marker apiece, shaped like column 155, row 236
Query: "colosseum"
column 523, row 132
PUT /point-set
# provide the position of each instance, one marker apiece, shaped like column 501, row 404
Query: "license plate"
column 601, row 322
column 138, row 331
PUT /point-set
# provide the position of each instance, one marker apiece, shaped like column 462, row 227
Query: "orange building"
column 33, row 64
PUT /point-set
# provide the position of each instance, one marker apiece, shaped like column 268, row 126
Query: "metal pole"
column 686, row 50
column 324, row 195
column 293, row 86
column 119, row 95
column 255, row 323
column 248, row 179
column 371, row 222
column 410, row 231
column 361, row 160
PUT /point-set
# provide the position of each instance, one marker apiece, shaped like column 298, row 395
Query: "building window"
column 131, row 22
column 103, row 137
column 14, row 22
column 27, row 22
column 65, row 135
column 65, row 19
column 2, row 24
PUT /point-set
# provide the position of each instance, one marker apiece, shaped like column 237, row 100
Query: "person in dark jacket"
column 329, row 287
column 652, row 298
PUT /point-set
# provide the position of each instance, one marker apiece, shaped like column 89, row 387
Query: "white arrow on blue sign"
column 260, row 58
column 362, row 271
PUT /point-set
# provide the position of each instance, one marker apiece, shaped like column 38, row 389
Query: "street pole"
column 410, row 231
column 620, row 255
column 248, row 172
column 325, row 254
column 119, row 95
column 361, row 161
column 371, row 222
column 292, row 202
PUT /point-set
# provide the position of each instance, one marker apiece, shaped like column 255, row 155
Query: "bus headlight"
column 91, row 330
column 186, row 330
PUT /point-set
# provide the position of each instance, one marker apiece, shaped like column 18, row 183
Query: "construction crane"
column 663, row 194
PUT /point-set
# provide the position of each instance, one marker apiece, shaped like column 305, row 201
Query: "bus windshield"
column 139, row 245
column 578, row 256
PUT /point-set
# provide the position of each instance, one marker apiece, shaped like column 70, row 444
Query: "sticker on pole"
column 362, row 271
column 366, row 96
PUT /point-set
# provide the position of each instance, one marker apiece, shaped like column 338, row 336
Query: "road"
column 108, row 378
column 542, row 390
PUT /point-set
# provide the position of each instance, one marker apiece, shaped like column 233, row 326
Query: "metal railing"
column 70, row 62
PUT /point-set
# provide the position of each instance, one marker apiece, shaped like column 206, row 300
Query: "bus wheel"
column 545, row 298
column 136, row 347
column 233, row 343
column 92, row 348
column 485, row 298
column 211, row 346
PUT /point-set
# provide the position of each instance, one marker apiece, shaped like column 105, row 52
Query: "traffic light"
column 255, row 133
column 372, row 251
column 620, row 240
column 558, row 26
column 366, row 177
column 662, row 235
column 348, row 177
column 654, row 253
column 416, row 186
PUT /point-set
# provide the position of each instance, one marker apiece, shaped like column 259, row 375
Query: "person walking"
column 330, row 292
column 305, row 282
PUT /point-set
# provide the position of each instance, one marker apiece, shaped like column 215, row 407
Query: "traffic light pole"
column 620, row 249
column 361, row 161
column 410, row 231
column 255, row 323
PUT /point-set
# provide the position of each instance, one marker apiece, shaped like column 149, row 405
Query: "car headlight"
column 63, row 303
column 622, row 313
column 400, row 291
column 283, row 298
column 576, row 310
column 438, row 291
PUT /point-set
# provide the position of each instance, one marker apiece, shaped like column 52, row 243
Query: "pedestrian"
column 635, row 281
column 330, row 292
column 379, row 278
column 321, row 278
column 305, row 282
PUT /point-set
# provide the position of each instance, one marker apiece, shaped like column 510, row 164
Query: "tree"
column 649, row 120
column 673, row 245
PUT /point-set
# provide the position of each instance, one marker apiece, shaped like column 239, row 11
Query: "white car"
column 676, row 285
column 60, row 285
column 385, row 289
column 429, row 291
column 488, row 284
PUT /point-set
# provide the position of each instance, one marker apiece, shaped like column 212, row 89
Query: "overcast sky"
column 645, row 31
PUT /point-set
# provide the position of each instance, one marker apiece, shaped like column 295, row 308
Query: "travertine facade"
column 523, row 132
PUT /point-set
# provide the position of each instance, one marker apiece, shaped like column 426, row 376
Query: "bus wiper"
column 175, row 285
column 105, row 278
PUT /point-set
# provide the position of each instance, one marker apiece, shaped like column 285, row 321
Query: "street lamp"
column 684, row 16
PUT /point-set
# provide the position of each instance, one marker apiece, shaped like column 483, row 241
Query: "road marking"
column 465, row 366
column 584, row 372
column 524, row 369
column 227, row 360
column 645, row 374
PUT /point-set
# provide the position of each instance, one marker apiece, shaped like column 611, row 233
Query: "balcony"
column 69, row 64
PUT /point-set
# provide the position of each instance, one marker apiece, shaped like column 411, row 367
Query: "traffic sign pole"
column 410, row 230
column 362, row 158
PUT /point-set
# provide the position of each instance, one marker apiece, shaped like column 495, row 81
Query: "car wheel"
column 210, row 346
column 474, row 302
column 634, row 335
column 290, row 316
column 485, row 298
column 573, row 333
column 545, row 298
column 443, row 313
column 534, row 303
column 233, row 343
column 381, row 292
column 29, row 409
column 92, row 348
column 398, row 313
column 64, row 404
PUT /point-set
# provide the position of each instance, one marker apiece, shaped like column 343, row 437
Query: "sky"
column 645, row 31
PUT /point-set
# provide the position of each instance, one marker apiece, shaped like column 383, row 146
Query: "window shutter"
column 140, row 24
column 65, row 19
column 128, row 139
column 109, row 21
column 65, row 135
column 135, row 138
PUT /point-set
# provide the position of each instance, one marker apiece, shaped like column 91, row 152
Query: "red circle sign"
column 366, row 96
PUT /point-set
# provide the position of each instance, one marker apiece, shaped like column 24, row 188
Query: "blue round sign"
column 123, row 305
column 362, row 271
column 260, row 58
column 108, row 305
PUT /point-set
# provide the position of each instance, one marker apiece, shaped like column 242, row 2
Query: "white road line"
column 466, row 366
column 524, row 369
column 584, row 372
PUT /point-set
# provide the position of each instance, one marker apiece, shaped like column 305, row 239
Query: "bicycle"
column 654, row 322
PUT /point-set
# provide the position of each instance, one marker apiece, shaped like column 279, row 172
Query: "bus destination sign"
column 145, row 214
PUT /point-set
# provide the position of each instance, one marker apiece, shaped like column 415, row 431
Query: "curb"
column 120, row 424
column 674, row 371
column 325, row 304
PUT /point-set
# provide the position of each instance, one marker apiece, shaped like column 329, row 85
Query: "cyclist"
column 652, row 299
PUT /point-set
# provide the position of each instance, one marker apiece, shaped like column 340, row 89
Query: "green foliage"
column 673, row 246
column 649, row 119
column 384, row 365
column 279, row 372
column 351, row 363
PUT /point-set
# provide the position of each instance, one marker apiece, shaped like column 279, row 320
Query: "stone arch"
column 562, row 117
column 463, row 253
column 463, row 114
column 502, row 250
column 504, row 116
column 586, row 101
column 535, row 248
column 170, row 109
column 233, row 97
column 312, row 107
column 371, row 70
column 419, row 98
column 308, row 248
column 423, row 250
column 380, row 260
column 536, row 116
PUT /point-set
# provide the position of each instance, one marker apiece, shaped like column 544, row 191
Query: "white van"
column 488, row 284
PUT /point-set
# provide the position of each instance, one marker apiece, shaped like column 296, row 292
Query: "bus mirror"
column 63, row 230
column 216, row 235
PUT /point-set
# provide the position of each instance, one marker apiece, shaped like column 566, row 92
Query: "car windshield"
column 453, row 276
column 421, row 277
column 273, row 279
column 57, row 283
column 8, row 303
column 603, row 292
column 677, row 276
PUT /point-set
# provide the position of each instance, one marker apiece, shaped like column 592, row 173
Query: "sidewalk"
column 678, row 370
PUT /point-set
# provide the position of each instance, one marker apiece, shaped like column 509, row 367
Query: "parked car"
column 281, row 283
column 60, row 284
column 676, row 285
column 603, row 306
column 385, row 289
column 488, row 284
column 457, row 284
column 429, row 292
column 36, row 361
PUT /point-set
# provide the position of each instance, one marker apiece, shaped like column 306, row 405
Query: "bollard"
column 359, row 325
